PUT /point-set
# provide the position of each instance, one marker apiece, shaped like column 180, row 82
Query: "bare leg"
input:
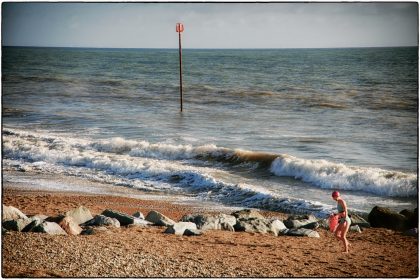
column 339, row 232
column 344, row 236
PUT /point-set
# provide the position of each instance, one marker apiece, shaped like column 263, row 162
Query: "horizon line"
column 175, row 48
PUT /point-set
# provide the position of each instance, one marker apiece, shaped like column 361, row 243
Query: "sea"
column 273, row 129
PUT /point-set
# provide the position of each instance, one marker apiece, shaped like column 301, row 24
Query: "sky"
column 210, row 25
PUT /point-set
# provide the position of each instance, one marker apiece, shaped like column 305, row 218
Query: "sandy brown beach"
column 148, row 252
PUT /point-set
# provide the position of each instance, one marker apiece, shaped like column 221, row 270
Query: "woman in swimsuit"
column 344, row 221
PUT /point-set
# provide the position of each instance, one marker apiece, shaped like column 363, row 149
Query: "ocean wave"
column 329, row 175
column 143, row 160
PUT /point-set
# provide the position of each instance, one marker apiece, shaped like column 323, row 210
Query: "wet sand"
column 148, row 252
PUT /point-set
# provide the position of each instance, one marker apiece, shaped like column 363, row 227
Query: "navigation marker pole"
column 179, row 29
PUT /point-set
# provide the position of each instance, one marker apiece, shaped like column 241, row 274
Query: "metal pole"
column 180, row 70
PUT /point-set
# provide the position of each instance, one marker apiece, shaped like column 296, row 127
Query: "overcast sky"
column 210, row 25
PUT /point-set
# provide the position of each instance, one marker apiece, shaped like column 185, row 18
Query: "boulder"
column 70, row 226
column 141, row 222
column 302, row 232
column 192, row 232
column 94, row 230
column 123, row 218
column 313, row 225
column 35, row 221
column 277, row 227
column 355, row 228
column 300, row 221
column 79, row 215
column 386, row 218
column 138, row 215
column 39, row 216
column 12, row 213
column 324, row 223
column 253, row 225
column 357, row 220
column 16, row 225
column 227, row 227
column 247, row 213
column 101, row 220
column 209, row 222
column 180, row 227
column 49, row 227
column 55, row 219
column 159, row 219
column 412, row 217
column 412, row 232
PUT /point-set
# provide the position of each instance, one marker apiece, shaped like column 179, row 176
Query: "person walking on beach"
column 344, row 221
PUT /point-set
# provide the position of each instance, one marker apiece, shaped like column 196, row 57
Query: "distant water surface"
column 274, row 129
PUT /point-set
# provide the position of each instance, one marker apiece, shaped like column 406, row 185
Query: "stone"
column 123, row 218
column 211, row 222
column 386, row 218
column 303, row 232
column 299, row 221
column 412, row 232
column 253, row 225
column 357, row 220
column 227, row 227
column 94, row 230
column 180, row 227
column 55, row 219
column 159, row 219
column 101, row 220
column 412, row 217
column 35, row 221
column 39, row 216
column 70, row 226
column 141, row 222
column 50, row 228
column 247, row 213
column 192, row 232
column 16, row 225
column 79, row 215
column 277, row 227
column 138, row 215
column 355, row 228
column 313, row 225
column 324, row 223
column 12, row 213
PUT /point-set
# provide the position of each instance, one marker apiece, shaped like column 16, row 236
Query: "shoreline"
column 148, row 252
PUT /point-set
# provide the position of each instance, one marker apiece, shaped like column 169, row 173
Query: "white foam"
column 329, row 175
column 168, row 167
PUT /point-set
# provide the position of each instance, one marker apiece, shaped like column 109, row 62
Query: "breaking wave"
column 140, row 161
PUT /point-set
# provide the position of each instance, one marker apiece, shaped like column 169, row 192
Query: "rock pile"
column 80, row 221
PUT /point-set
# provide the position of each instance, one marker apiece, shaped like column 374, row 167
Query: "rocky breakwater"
column 81, row 221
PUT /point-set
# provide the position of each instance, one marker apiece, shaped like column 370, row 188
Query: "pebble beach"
column 132, row 251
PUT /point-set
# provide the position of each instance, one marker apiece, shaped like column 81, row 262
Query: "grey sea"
column 275, row 129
